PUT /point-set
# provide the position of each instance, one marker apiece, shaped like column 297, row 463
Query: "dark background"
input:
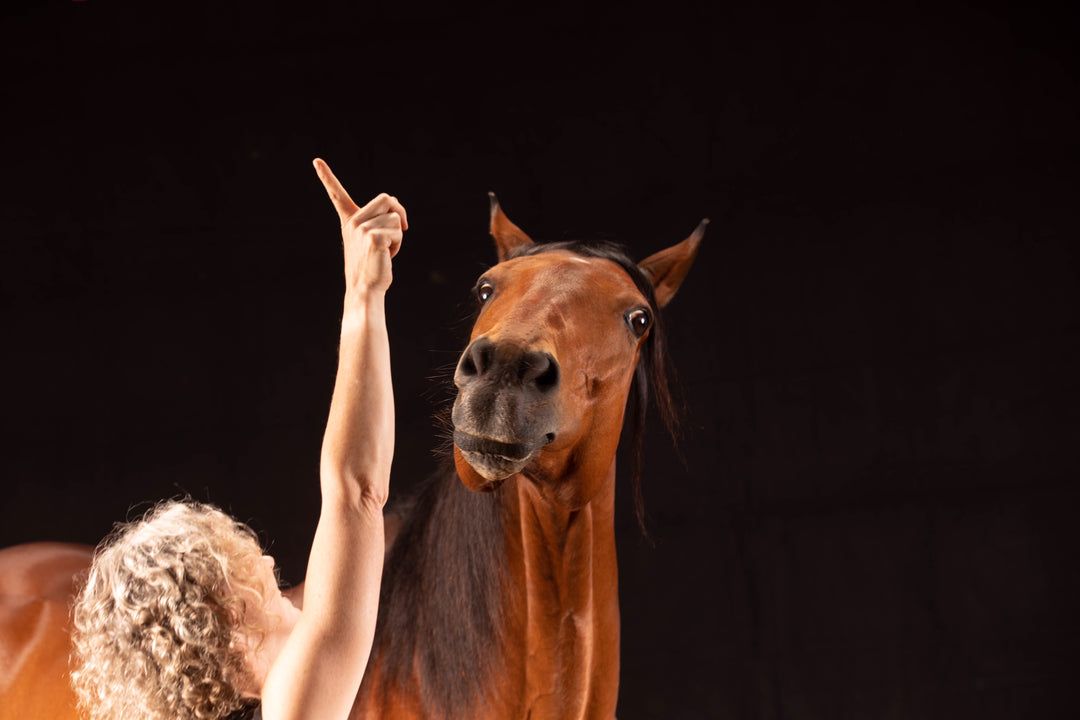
column 878, row 345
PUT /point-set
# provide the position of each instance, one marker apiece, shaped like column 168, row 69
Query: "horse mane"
column 441, row 603
column 653, row 370
column 445, row 584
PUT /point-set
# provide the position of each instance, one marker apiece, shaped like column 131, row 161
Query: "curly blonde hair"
column 161, row 624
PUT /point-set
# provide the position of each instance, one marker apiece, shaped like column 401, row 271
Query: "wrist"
column 364, row 298
column 361, row 308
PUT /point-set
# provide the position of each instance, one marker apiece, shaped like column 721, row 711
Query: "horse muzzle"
column 504, row 413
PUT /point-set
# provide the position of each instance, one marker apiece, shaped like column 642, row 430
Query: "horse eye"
column 639, row 321
column 484, row 291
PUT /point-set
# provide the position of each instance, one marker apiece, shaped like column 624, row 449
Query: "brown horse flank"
column 500, row 594
column 503, row 602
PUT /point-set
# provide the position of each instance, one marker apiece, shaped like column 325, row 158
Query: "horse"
column 37, row 581
column 500, row 591
column 503, row 602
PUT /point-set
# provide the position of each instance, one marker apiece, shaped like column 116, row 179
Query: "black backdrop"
column 877, row 347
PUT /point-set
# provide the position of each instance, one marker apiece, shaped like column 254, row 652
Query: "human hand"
column 371, row 234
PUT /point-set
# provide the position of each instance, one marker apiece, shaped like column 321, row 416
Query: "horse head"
column 542, row 386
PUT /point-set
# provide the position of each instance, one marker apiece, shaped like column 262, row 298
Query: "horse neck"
column 564, row 563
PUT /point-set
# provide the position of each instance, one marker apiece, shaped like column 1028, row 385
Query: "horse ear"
column 508, row 236
column 667, row 268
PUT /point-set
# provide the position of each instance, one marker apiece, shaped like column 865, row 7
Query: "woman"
column 181, row 616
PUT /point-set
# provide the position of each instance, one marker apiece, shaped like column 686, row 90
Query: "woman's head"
column 171, row 604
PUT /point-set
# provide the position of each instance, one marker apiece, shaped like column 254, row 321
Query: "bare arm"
column 322, row 663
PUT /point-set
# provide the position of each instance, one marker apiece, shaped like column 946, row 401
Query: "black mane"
column 443, row 595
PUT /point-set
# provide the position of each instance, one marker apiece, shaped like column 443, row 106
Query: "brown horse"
column 501, row 602
column 36, row 584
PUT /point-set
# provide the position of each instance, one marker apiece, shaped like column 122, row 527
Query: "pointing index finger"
column 344, row 204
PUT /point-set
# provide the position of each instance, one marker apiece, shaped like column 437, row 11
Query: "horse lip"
column 495, row 460
column 511, row 452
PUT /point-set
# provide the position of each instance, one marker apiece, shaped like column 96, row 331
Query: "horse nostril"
column 506, row 363
column 542, row 370
column 476, row 359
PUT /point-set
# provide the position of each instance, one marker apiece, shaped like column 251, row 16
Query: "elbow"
column 362, row 491
column 371, row 499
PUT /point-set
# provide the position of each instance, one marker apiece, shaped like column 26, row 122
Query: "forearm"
column 358, row 444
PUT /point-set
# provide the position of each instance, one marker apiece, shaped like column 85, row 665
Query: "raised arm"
column 318, row 672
